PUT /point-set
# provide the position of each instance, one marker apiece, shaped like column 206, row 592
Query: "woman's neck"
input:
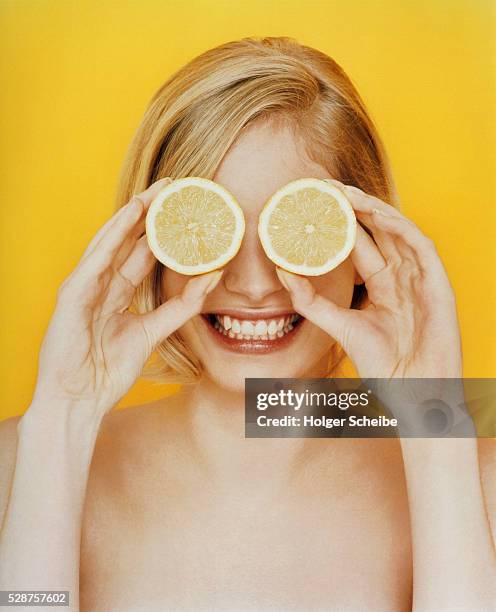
column 216, row 423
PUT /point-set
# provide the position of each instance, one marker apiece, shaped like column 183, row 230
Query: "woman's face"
column 263, row 159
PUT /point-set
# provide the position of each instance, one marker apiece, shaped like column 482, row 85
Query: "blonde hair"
column 197, row 114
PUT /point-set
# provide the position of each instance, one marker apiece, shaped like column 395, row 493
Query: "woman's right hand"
column 95, row 348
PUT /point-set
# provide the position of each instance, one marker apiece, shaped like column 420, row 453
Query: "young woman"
column 167, row 506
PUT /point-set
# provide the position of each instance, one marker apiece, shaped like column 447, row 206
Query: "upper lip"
column 252, row 315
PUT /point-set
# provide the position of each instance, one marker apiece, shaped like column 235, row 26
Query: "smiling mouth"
column 253, row 335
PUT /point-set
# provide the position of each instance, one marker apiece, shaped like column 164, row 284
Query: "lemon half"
column 194, row 226
column 308, row 227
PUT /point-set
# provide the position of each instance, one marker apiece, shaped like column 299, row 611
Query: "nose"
column 251, row 273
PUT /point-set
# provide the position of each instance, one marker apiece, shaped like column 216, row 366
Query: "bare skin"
column 157, row 516
column 202, row 538
column 174, row 508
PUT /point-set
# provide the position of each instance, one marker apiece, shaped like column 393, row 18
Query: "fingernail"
column 215, row 278
column 199, row 286
column 136, row 203
column 298, row 286
column 353, row 188
column 132, row 206
column 283, row 277
column 335, row 182
column 380, row 212
column 156, row 186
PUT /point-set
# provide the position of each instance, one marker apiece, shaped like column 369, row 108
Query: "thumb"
column 333, row 319
column 167, row 318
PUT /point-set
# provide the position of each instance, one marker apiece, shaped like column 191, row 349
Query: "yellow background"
column 75, row 78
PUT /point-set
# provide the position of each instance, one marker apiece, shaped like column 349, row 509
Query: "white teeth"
column 260, row 329
column 247, row 328
column 272, row 327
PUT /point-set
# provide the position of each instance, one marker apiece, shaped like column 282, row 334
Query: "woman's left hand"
column 410, row 328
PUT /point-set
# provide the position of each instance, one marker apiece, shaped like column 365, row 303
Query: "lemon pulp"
column 308, row 227
column 194, row 226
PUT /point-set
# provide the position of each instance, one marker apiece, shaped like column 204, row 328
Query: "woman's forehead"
column 263, row 159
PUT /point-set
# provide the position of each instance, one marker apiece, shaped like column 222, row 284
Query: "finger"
column 366, row 256
column 333, row 319
column 406, row 231
column 365, row 207
column 146, row 198
column 104, row 252
column 167, row 318
column 394, row 250
column 126, row 279
column 364, row 202
column 385, row 242
column 139, row 263
column 104, row 229
column 129, row 243
column 112, row 241
column 406, row 252
column 103, row 249
column 152, row 192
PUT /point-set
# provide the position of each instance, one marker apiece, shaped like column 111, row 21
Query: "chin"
column 232, row 378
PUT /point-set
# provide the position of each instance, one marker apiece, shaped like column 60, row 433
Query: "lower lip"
column 253, row 347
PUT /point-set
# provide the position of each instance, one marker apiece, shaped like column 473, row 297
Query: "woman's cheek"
column 337, row 285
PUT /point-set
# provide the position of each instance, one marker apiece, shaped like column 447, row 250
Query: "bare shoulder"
column 124, row 440
column 129, row 439
column 8, row 448
column 487, row 461
column 130, row 428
